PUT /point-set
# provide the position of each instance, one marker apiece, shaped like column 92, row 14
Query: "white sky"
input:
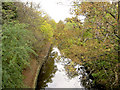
column 54, row 10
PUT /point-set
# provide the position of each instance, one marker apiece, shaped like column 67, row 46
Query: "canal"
column 60, row 72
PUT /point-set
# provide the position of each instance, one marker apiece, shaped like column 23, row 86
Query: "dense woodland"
column 93, row 43
column 25, row 33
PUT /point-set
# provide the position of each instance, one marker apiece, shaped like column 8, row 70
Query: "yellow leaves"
column 89, row 26
column 108, row 49
column 95, row 47
column 47, row 30
column 70, row 68
column 72, row 63
column 82, row 57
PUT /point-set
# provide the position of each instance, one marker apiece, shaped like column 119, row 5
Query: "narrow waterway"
column 60, row 72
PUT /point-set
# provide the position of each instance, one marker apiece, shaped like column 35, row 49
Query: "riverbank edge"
column 31, row 73
column 40, row 66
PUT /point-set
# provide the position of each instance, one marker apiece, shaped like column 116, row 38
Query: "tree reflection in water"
column 59, row 69
column 47, row 72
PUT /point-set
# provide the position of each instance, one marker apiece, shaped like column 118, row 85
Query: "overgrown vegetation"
column 94, row 42
column 16, row 49
column 25, row 32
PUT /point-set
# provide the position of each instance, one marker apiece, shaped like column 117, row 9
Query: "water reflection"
column 47, row 72
column 60, row 72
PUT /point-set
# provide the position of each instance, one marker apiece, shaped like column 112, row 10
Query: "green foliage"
column 25, row 32
column 40, row 25
column 47, row 30
column 93, row 43
column 8, row 11
column 16, row 49
column 70, row 26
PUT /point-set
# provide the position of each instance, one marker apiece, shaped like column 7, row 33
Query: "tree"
column 95, row 43
column 25, row 33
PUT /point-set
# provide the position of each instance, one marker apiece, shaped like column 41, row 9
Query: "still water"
column 60, row 72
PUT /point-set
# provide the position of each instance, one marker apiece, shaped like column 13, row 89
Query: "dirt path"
column 31, row 72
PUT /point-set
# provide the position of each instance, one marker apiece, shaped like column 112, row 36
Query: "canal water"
column 60, row 72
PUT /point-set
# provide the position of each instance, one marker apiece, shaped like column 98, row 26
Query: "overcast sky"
column 54, row 10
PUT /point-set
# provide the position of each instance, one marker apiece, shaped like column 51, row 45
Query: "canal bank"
column 31, row 73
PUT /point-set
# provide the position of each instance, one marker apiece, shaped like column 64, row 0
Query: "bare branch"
column 110, row 14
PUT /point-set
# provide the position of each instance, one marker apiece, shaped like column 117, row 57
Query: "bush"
column 16, row 49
